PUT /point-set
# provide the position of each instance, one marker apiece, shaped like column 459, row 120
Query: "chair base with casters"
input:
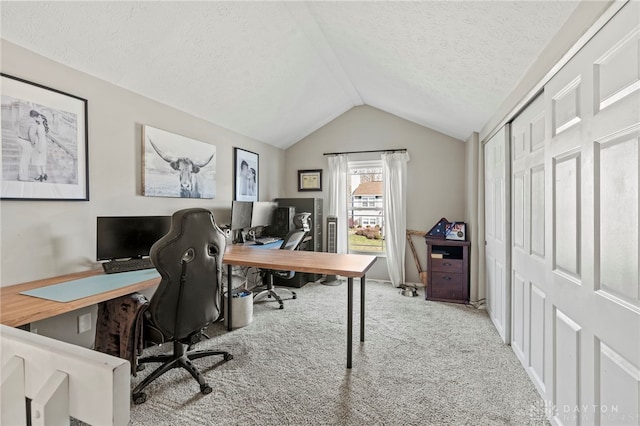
column 178, row 359
column 270, row 291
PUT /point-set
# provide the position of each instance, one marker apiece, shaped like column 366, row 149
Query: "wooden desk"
column 346, row 265
column 18, row 309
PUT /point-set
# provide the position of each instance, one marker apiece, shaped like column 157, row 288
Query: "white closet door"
column 592, row 314
column 496, row 169
column 529, row 288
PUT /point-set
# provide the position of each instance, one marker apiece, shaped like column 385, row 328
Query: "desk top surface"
column 346, row 265
column 18, row 309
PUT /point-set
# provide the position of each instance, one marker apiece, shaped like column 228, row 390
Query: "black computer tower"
column 282, row 222
column 301, row 205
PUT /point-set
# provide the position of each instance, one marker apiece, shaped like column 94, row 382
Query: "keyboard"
column 267, row 240
column 115, row 266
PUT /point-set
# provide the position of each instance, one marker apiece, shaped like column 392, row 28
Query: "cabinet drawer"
column 447, row 286
column 447, row 265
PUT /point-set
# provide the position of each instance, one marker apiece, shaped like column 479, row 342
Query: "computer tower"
column 282, row 222
column 313, row 206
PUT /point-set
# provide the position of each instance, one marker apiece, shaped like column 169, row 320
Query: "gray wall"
column 42, row 239
column 436, row 171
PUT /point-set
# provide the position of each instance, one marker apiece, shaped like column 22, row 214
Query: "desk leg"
column 349, row 318
column 229, row 289
column 362, row 308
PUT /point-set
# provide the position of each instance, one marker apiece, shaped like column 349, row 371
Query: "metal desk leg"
column 362, row 308
column 349, row 318
column 229, row 295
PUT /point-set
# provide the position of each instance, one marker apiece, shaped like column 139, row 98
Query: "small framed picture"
column 310, row 180
column 456, row 231
column 245, row 175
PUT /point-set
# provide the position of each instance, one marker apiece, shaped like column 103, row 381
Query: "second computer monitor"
column 241, row 215
column 263, row 213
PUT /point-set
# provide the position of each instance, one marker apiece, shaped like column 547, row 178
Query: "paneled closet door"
column 592, row 332
column 496, row 172
column 529, row 289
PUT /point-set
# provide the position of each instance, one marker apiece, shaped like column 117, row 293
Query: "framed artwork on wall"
column 177, row 166
column 310, row 180
column 246, row 176
column 44, row 143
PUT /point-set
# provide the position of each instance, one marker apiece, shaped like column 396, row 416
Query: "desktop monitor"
column 120, row 237
column 263, row 213
column 241, row 215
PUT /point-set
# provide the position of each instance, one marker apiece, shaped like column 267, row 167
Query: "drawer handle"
column 448, row 278
column 446, row 264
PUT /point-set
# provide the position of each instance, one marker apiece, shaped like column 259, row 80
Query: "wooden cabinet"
column 447, row 270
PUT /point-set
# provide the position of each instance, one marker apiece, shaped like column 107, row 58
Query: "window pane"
column 365, row 211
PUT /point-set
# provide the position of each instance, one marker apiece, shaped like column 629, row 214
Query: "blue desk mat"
column 85, row 287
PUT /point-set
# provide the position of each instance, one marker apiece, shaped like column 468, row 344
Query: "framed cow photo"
column 177, row 166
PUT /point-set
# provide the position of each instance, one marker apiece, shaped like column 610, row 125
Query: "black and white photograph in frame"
column 245, row 175
column 177, row 166
column 44, row 143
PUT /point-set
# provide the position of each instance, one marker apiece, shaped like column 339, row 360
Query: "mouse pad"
column 84, row 287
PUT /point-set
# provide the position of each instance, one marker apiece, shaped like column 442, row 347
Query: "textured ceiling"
column 277, row 71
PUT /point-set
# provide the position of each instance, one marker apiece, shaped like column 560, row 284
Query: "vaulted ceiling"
column 277, row 71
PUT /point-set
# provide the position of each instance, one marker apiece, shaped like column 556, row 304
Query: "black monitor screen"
column 241, row 215
column 121, row 237
column 263, row 213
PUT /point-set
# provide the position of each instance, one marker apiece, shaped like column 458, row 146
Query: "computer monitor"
column 263, row 213
column 241, row 215
column 120, row 237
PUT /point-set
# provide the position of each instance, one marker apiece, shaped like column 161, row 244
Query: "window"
column 365, row 208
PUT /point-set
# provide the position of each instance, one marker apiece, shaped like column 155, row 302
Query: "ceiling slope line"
column 311, row 29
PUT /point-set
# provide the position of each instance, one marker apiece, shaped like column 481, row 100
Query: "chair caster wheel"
column 139, row 398
column 228, row 357
column 205, row 389
column 141, row 367
column 295, row 296
column 281, row 307
column 269, row 296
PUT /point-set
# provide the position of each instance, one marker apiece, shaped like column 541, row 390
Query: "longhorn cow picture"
column 177, row 166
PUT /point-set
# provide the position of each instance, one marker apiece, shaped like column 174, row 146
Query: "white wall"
column 42, row 238
column 436, row 171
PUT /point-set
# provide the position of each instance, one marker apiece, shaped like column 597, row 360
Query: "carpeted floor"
column 423, row 363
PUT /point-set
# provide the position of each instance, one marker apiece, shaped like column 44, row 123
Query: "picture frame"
column 456, row 231
column 47, row 129
column 177, row 166
column 246, row 175
column 310, row 180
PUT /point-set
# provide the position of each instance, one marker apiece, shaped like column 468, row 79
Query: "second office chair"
column 291, row 242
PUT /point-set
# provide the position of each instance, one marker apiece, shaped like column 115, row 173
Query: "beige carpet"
column 423, row 363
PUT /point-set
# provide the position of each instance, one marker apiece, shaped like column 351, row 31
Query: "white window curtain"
column 338, row 172
column 394, row 170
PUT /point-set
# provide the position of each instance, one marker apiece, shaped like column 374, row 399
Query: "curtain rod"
column 367, row 152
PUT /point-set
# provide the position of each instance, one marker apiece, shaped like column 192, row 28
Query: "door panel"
column 575, row 254
column 497, row 230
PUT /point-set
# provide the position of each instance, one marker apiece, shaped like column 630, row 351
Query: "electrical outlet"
column 84, row 323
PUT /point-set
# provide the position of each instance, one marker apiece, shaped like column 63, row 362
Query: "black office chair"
column 189, row 259
column 291, row 242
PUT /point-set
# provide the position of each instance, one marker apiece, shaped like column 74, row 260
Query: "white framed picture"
column 177, row 166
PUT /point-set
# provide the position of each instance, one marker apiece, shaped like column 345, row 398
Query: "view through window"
column 365, row 214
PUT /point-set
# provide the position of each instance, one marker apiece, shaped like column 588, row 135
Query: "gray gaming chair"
column 189, row 260
column 291, row 242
